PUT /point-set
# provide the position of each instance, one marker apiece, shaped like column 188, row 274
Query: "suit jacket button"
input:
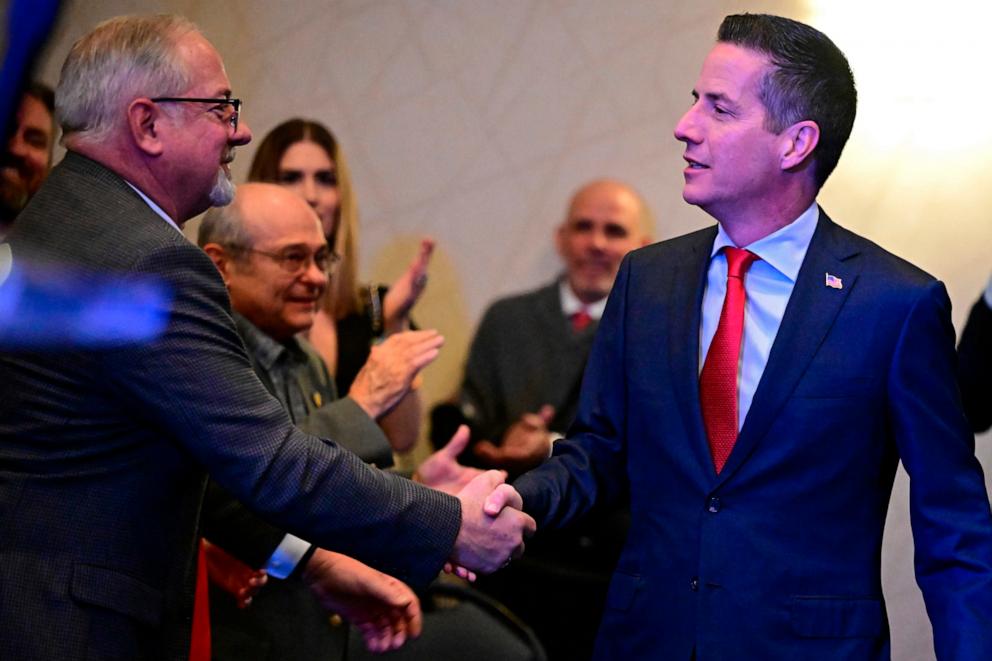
column 694, row 583
column 713, row 506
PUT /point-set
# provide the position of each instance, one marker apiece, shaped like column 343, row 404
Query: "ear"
column 221, row 259
column 560, row 238
column 144, row 120
column 799, row 141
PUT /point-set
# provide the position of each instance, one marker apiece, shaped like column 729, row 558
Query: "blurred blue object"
column 29, row 23
column 53, row 308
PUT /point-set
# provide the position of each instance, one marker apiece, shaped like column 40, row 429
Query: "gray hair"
column 120, row 60
column 225, row 226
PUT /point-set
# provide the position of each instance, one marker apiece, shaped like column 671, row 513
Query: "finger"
column 488, row 452
column 376, row 638
column 412, row 336
column 422, row 258
column 424, row 358
column 529, row 524
column 414, row 619
column 533, row 420
column 502, row 496
column 547, row 413
column 483, row 484
column 458, row 442
column 426, row 249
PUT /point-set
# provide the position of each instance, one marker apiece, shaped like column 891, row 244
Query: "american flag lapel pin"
column 833, row 281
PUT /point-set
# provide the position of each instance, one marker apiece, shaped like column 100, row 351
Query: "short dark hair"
column 810, row 80
column 42, row 93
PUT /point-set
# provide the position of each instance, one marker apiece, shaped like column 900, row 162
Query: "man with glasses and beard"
column 105, row 452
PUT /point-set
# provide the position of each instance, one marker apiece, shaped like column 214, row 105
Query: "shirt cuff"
column 287, row 555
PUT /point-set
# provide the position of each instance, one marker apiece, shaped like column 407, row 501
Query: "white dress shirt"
column 768, row 284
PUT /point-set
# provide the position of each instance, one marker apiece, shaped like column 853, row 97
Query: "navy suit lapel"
column 687, row 285
column 808, row 318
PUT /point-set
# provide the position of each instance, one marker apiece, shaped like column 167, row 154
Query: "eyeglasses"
column 219, row 104
column 295, row 260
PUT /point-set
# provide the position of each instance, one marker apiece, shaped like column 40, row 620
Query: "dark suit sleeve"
column 196, row 382
column 345, row 420
column 237, row 530
column 975, row 366
column 949, row 506
column 481, row 398
column 590, row 467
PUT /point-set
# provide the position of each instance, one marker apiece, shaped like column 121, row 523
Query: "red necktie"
column 718, row 380
column 200, row 642
column 581, row 320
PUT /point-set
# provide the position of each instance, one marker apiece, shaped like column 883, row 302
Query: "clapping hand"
column 442, row 471
column 403, row 294
column 525, row 444
column 390, row 369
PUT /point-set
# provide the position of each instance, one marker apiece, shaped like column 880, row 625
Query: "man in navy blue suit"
column 754, row 385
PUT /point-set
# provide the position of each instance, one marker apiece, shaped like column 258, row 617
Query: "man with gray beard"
column 104, row 453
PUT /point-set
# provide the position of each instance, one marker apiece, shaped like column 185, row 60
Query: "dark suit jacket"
column 778, row 556
column 104, row 453
column 975, row 366
column 524, row 355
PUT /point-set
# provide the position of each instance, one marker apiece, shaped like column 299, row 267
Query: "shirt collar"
column 154, row 207
column 266, row 351
column 784, row 249
column 570, row 303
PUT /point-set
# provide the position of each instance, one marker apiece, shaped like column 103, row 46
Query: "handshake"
column 493, row 526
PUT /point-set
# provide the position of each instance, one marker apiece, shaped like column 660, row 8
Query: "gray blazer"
column 104, row 454
column 524, row 355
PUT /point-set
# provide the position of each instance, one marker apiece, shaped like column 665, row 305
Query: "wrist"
column 370, row 409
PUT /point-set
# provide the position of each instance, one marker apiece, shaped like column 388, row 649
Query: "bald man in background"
column 521, row 390
column 526, row 360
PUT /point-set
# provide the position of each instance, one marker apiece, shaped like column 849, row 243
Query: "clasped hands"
column 493, row 527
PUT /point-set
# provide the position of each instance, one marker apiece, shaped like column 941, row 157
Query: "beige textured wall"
column 472, row 121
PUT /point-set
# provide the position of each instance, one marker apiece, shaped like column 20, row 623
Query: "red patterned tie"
column 718, row 380
column 581, row 320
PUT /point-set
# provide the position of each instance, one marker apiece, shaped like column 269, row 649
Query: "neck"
column 586, row 298
column 747, row 225
column 136, row 171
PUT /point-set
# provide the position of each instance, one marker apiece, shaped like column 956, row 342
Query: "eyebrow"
column 713, row 96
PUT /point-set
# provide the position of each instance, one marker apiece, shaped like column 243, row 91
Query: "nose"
column 597, row 241
column 314, row 277
column 310, row 190
column 685, row 129
column 242, row 136
column 17, row 146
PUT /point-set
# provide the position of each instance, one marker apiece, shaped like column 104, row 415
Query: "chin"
column 693, row 195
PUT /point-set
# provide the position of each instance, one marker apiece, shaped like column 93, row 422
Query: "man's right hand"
column 391, row 368
column 487, row 540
